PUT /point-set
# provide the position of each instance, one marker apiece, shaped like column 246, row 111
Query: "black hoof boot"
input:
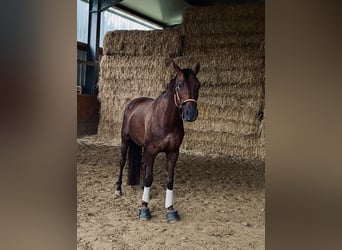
column 172, row 216
column 144, row 213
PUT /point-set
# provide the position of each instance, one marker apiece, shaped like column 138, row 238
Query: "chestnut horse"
column 153, row 126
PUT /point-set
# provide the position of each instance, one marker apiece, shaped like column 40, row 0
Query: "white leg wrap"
column 169, row 198
column 146, row 194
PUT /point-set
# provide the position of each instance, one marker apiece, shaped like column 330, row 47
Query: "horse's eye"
column 180, row 85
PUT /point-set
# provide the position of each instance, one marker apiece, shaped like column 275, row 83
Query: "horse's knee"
column 169, row 184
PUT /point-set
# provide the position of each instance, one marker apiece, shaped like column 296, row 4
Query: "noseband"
column 179, row 102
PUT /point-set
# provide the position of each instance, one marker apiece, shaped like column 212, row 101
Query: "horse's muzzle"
column 190, row 112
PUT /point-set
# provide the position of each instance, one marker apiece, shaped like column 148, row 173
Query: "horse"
column 151, row 126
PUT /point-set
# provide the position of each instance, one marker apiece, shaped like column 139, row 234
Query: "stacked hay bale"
column 228, row 41
column 135, row 63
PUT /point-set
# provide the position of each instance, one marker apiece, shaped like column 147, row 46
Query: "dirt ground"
column 220, row 201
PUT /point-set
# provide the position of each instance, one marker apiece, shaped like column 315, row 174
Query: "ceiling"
column 168, row 12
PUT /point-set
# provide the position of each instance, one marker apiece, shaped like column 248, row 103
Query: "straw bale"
column 109, row 130
column 232, row 101
column 224, row 26
column 231, row 69
column 228, row 42
column 123, row 78
column 240, row 76
column 223, row 19
column 219, row 125
column 115, row 101
column 219, row 12
column 166, row 42
column 251, row 43
column 230, row 49
column 132, row 87
column 222, row 143
column 224, row 39
column 237, row 60
column 135, row 67
column 254, row 90
column 261, row 140
column 238, row 114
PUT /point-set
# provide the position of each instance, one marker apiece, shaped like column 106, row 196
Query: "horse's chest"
column 165, row 141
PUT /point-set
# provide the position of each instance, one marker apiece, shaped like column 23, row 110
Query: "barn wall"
column 228, row 42
column 87, row 114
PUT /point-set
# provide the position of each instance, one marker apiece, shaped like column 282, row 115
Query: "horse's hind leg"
column 124, row 148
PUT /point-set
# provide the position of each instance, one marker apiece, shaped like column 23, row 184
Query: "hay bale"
column 224, row 29
column 237, row 60
column 222, row 143
column 254, row 90
column 232, row 92
column 233, row 12
column 223, row 19
column 233, row 43
column 230, row 108
column 230, row 49
column 218, row 125
column 226, row 39
column 147, row 68
column 123, row 78
column 230, row 69
column 228, row 42
column 226, row 114
column 154, row 42
column 224, row 26
column 260, row 147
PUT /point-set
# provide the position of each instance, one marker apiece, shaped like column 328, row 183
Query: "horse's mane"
column 171, row 85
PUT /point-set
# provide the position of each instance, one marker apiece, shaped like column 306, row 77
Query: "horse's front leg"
column 147, row 167
column 171, row 159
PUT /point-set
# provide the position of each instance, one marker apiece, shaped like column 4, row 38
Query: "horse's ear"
column 196, row 68
column 177, row 68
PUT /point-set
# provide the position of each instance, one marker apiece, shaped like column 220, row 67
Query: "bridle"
column 178, row 101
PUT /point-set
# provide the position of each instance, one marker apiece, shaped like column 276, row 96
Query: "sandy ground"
column 221, row 204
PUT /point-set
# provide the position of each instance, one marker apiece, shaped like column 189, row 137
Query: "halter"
column 179, row 102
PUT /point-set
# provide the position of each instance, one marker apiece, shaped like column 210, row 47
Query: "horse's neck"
column 169, row 108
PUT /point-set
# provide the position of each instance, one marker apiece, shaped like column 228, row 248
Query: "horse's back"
column 137, row 102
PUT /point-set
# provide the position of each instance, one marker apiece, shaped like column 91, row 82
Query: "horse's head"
column 186, row 91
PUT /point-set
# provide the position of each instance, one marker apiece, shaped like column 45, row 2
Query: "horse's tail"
column 134, row 163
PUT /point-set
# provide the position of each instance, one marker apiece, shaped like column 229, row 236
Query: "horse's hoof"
column 144, row 213
column 172, row 216
column 118, row 193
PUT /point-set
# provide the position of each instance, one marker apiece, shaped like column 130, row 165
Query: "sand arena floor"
column 221, row 203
